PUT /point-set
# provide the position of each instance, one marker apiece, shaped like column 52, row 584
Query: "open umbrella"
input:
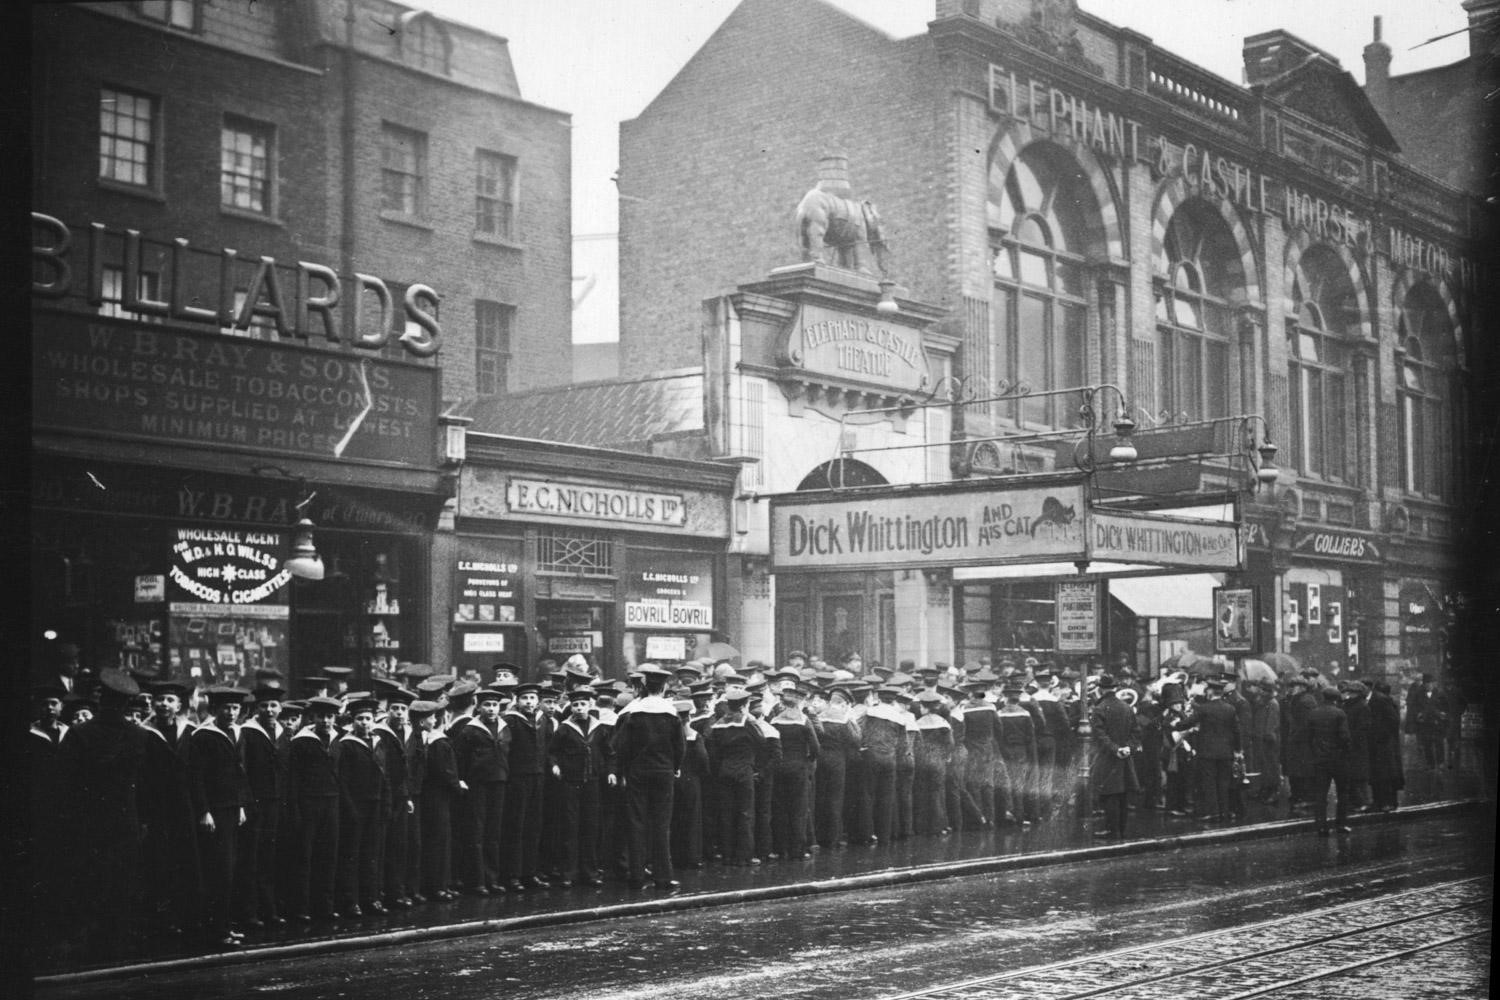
column 716, row 651
column 1257, row 670
column 1282, row 663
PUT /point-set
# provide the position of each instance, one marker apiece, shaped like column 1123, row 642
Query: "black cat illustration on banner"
column 1053, row 512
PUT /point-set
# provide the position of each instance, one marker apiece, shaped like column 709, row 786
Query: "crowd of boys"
column 264, row 810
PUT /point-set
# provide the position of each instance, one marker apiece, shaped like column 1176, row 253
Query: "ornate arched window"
column 1197, row 273
column 1043, row 222
column 1321, row 399
column 1426, row 367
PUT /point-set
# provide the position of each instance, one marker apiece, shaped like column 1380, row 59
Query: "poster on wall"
column 1078, row 605
column 1234, row 619
column 227, row 567
column 669, row 591
column 487, row 587
column 843, row 627
column 1314, row 604
column 1333, row 623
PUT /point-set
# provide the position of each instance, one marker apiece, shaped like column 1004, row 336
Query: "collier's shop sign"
column 854, row 348
column 230, row 290
column 1344, row 546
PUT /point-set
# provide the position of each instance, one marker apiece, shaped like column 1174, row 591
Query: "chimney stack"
column 1378, row 72
column 1484, row 37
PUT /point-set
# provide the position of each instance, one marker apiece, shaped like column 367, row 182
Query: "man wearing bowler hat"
column 1117, row 737
column 1218, row 741
column 650, row 747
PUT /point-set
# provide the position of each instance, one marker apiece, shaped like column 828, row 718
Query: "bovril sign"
column 1341, row 545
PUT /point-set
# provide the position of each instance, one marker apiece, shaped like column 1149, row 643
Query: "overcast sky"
column 604, row 60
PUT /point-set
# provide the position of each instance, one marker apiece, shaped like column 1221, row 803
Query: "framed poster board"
column 1078, row 603
column 1235, row 619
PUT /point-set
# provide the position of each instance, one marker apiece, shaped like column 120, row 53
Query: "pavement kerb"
column 666, row 904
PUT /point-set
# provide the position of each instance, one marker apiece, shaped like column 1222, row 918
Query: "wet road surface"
column 879, row 943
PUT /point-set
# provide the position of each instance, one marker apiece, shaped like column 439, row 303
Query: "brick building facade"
column 274, row 243
column 1090, row 208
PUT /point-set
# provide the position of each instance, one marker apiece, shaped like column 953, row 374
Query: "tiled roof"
column 617, row 413
column 1435, row 115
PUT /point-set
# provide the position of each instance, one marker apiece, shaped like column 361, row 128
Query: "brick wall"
column 712, row 170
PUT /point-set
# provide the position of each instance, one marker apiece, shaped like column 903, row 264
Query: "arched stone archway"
column 1107, row 238
column 1296, row 250
column 1172, row 195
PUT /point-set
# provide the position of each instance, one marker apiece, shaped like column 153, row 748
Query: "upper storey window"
column 1196, row 280
column 1427, row 387
column 424, row 43
column 128, row 143
column 1319, row 375
column 1041, row 222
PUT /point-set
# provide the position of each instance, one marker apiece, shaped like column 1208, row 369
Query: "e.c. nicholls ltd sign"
column 595, row 503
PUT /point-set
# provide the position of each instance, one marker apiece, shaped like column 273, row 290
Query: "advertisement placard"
column 907, row 529
column 669, row 590
column 1078, row 604
column 1164, row 541
column 1234, row 619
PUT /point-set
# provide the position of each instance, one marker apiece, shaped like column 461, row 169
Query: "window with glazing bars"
column 245, row 165
column 127, row 137
column 403, row 170
column 575, row 555
column 494, row 193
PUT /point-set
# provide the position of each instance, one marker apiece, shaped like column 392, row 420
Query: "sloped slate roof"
column 617, row 413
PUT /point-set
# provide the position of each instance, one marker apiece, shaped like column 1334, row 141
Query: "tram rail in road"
column 1254, row 960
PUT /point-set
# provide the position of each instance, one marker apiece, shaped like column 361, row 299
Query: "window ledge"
column 251, row 216
column 490, row 239
column 135, row 190
column 410, row 221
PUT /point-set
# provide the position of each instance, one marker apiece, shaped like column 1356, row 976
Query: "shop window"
column 246, row 164
column 1041, row 222
column 494, row 194
column 1319, row 367
column 575, row 555
column 403, row 171
column 128, row 138
column 1427, row 389
column 1193, row 318
column 492, row 337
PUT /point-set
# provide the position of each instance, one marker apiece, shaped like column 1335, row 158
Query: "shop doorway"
column 565, row 628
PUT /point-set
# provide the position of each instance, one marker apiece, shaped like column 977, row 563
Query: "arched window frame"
column 1040, row 303
column 424, row 42
column 1427, row 388
column 1322, row 394
column 1194, row 323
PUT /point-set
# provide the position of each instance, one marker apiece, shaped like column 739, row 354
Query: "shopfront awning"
column 1189, row 595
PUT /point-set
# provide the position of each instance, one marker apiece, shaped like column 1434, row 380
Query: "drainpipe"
column 346, row 148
